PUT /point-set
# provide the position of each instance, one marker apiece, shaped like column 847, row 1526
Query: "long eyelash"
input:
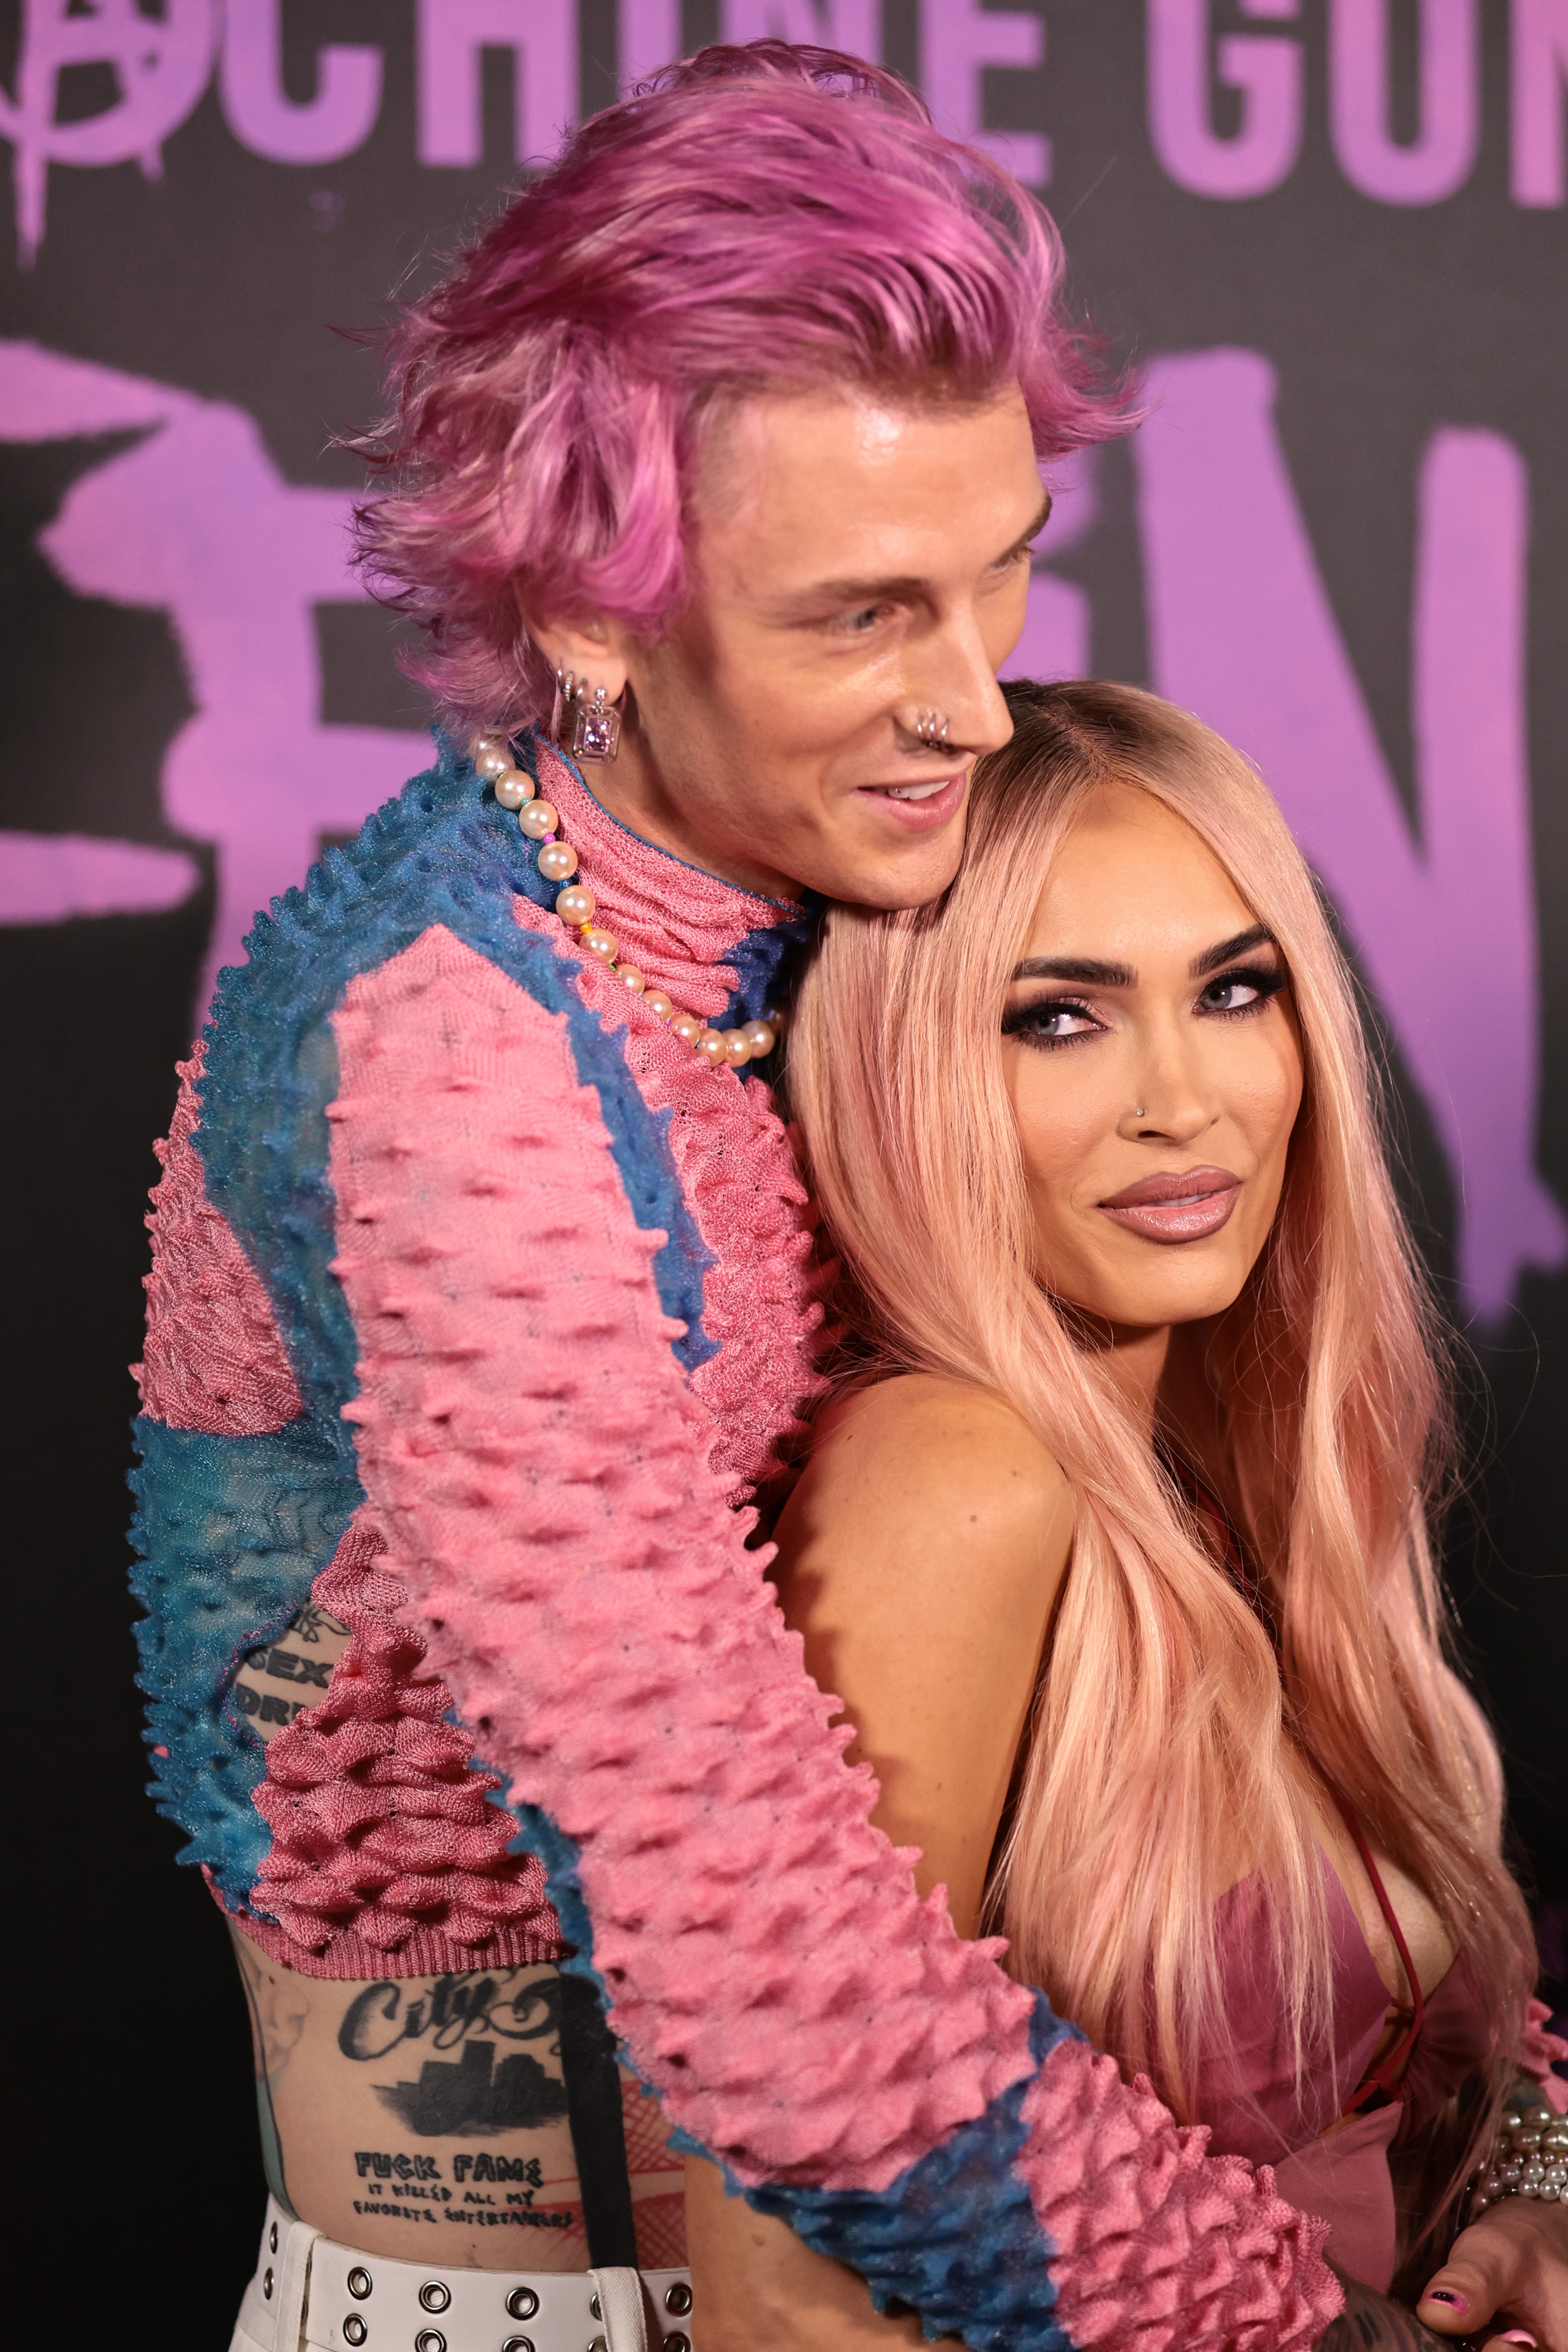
column 1267, row 982
column 1020, row 1022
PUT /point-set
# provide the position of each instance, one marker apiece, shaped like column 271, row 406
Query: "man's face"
column 855, row 562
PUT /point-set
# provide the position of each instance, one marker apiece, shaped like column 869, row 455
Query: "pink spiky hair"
column 756, row 216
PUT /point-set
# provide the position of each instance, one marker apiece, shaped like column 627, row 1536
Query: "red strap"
column 1387, row 2077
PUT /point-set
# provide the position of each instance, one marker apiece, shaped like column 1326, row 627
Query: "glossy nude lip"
column 1184, row 1207
column 919, row 816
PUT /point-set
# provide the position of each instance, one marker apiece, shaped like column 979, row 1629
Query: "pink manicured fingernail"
column 1518, row 2336
column 1443, row 2294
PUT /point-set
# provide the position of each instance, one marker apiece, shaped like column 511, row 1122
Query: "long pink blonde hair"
column 1164, row 1719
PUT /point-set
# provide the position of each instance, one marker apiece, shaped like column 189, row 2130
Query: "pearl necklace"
column 540, row 821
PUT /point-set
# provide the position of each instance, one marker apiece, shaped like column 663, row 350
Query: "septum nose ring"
column 931, row 730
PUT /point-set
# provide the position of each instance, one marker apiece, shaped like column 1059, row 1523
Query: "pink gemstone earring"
column 596, row 725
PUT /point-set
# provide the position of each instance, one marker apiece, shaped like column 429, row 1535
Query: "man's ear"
column 592, row 650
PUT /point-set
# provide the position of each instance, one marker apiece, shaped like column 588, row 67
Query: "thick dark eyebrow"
column 1083, row 968
column 1260, row 935
column 1041, row 520
column 1090, row 973
column 908, row 583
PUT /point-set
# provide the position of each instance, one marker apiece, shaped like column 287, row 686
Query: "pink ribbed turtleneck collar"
column 678, row 925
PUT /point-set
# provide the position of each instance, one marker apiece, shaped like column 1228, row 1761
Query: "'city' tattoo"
column 464, row 2096
column 470, row 2093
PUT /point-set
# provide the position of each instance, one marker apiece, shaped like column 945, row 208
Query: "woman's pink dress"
column 1249, row 2096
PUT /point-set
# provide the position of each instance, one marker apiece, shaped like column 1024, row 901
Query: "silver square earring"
column 596, row 725
column 596, row 733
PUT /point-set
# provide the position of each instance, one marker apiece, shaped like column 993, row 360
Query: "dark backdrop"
column 1334, row 235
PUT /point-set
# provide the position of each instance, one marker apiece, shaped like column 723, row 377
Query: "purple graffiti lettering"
column 1055, row 639
column 262, row 117
column 47, row 396
column 160, row 64
column 1539, row 71
column 649, row 34
column 196, row 522
column 1241, row 631
column 542, row 37
column 1055, row 642
column 852, row 24
column 46, row 877
column 959, row 41
column 1265, row 70
column 1441, row 156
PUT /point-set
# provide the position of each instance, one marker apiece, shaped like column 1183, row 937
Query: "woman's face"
column 1154, row 1065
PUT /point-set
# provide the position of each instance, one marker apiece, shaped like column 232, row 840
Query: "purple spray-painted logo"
column 1241, row 631
column 196, row 522
column 159, row 67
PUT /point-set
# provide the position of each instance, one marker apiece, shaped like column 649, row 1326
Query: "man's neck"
column 634, row 791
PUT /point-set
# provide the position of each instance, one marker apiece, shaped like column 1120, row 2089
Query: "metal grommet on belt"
column 677, row 2298
column 598, row 2344
column 434, row 2297
column 354, row 2329
column 594, row 2307
column 272, row 2239
column 522, row 2303
column 518, row 2343
column 360, row 2283
column 678, row 2344
column 266, row 2283
column 429, row 2339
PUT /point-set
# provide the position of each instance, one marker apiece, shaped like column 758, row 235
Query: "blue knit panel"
column 441, row 852
column 231, row 1533
column 765, row 962
column 955, row 2235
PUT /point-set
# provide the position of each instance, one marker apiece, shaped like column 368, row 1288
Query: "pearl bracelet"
column 1529, row 2159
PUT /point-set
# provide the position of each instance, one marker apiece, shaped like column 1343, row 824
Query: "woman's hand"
column 1506, row 2279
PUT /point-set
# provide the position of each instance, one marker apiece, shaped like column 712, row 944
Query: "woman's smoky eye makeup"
column 1060, row 1018
column 1247, row 986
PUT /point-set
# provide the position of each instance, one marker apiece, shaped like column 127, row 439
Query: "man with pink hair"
column 482, row 1304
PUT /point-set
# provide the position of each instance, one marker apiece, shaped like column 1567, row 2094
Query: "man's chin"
column 909, row 874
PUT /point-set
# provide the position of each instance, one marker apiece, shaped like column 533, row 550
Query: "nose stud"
column 931, row 730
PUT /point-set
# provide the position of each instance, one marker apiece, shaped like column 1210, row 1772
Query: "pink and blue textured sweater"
column 479, row 1308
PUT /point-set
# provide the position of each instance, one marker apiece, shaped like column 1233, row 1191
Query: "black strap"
column 598, row 2131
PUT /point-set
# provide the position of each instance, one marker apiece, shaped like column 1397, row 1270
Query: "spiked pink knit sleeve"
column 212, row 1358
column 539, row 1470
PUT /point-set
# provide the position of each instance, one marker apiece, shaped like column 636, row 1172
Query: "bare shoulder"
column 942, row 1432
column 953, row 1459
column 920, row 1559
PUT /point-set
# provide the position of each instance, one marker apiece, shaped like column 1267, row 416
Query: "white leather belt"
column 309, row 2292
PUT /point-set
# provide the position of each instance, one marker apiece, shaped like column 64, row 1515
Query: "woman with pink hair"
column 482, row 1302
column 1116, row 1540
